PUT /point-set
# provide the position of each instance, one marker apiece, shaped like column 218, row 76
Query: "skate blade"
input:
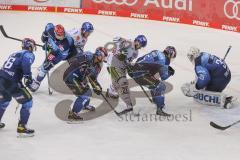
column 24, row 135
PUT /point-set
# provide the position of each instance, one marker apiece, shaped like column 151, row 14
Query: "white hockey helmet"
column 193, row 53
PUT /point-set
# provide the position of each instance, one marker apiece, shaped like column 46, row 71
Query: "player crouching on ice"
column 145, row 69
column 123, row 53
column 16, row 68
column 213, row 75
column 83, row 69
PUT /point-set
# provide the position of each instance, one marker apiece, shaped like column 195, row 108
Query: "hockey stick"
column 16, row 39
column 117, row 113
column 229, row 48
column 221, row 127
column 141, row 87
column 50, row 92
column 146, row 93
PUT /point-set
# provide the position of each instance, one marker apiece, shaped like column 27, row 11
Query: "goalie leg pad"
column 214, row 99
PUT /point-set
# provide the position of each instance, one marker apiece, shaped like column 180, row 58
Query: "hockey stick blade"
column 3, row 31
column 214, row 125
column 223, row 128
column 117, row 113
column 9, row 37
column 5, row 34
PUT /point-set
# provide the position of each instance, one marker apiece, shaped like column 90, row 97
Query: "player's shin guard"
column 80, row 103
column 22, row 130
column 3, row 107
column 158, row 98
column 25, row 112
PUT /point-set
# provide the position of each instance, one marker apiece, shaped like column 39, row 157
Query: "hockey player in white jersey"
column 80, row 36
column 123, row 53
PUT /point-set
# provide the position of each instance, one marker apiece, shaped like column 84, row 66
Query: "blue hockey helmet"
column 170, row 52
column 142, row 40
column 101, row 54
column 87, row 27
column 29, row 44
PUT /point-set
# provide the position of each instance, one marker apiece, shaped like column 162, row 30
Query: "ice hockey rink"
column 108, row 137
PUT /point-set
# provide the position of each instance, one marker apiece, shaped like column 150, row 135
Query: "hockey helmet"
column 29, row 44
column 59, row 32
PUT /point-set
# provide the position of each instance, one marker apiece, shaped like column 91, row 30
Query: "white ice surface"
column 108, row 138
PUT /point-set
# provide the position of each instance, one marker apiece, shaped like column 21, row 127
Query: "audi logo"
column 232, row 9
column 118, row 2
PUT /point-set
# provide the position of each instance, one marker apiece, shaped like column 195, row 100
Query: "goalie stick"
column 222, row 127
column 229, row 48
column 214, row 124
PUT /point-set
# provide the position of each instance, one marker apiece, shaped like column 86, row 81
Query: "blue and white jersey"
column 60, row 48
column 158, row 61
column 17, row 66
column 79, row 40
column 211, row 70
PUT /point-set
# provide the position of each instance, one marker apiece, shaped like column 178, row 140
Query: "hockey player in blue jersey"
column 83, row 69
column 212, row 77
column 145, row 69
column 16, row 68
column 59, row 45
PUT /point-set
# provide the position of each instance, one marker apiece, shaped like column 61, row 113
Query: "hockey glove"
column 95, row 85
column 31, row 84
column 97, row 89
column 48, row 65
column 171, row 71
column 28, row 80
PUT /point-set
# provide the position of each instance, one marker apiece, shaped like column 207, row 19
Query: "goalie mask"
column 193, row 53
